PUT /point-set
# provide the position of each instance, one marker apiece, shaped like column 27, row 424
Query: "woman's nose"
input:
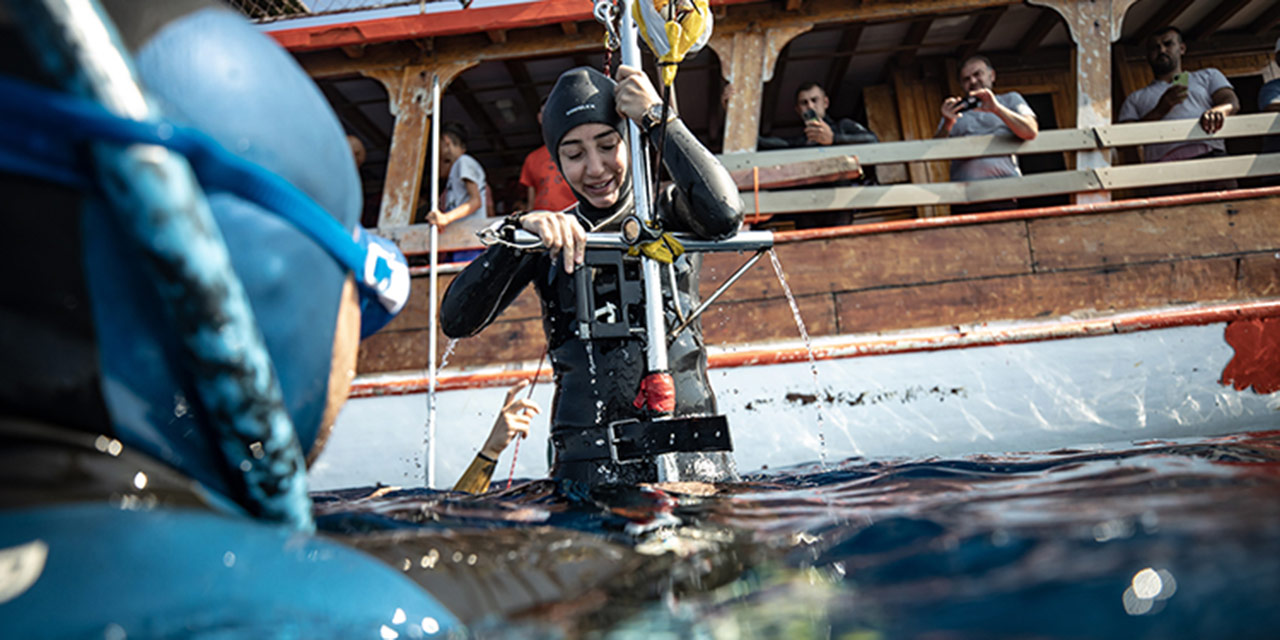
column 595, row 163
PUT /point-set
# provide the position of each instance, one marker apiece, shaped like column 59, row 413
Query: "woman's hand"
column 634, row 93
column 512, row 421
column 559, row 232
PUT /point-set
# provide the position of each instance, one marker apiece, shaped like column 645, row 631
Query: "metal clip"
column 606, row 13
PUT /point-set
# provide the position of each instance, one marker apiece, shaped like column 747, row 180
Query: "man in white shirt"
column 1205, row 94
column 980, row 112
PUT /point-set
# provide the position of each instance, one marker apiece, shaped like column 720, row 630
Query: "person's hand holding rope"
column 513, row 421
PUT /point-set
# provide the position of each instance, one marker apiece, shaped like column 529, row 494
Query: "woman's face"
column 593, row 159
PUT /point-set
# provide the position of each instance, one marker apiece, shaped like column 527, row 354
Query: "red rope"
column 515, row 453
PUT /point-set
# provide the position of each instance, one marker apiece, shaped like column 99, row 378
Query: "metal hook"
column 606, row 13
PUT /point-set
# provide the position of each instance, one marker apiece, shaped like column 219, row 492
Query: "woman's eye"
column 572, row 156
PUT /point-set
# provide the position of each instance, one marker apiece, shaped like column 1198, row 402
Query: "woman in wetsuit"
column 597, row 380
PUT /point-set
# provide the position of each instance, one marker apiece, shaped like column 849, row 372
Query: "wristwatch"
column 652, row 117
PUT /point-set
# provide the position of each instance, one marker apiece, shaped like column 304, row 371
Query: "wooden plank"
column 463, row 94
column 914, row 195
column 1267, row 21
column 1036, row 296
column 823, row 170
column 1219, row 16
column 524, row 84
column 414, row 315
column 1132, row 133
column 860, row 262
column 406, row 158
column 1258, row 276
column 769, row 100
column 1054, row 141
column 982, row 26
column 740, row 63
column 1159, row 234
column 501, row 342
column 840, row 66
column 1184, row 171
column 1161, row 19
column 760, row 320
column 882, row 118
column 916, row 34
column 1035, row 35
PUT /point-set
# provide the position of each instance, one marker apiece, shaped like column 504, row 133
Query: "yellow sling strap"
column 671, row 41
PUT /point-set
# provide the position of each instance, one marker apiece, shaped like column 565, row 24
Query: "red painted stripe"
column 444, row 23
column 783, row 237
column 960, row 339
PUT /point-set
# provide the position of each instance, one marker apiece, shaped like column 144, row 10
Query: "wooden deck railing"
column 1041, row 184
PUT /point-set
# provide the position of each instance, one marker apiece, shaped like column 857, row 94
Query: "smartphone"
column 969, row 102
column 809, row 115
column 1183, row 79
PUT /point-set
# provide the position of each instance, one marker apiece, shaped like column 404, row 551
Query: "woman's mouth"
column 601, row 188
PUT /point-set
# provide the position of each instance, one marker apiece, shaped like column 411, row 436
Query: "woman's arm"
column 706, row 200
column 484, row 289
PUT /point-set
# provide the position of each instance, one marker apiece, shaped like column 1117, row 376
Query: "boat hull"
column 958, row 391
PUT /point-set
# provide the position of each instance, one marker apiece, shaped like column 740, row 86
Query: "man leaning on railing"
column 981, row 112
column 1177, row 95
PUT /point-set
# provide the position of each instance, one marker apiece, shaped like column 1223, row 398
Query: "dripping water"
column 808, row 345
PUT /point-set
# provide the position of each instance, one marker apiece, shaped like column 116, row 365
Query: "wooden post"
column 882, row 118
column 917, row 110
column 1094, row 26
column 747, row 58
column 409, row 93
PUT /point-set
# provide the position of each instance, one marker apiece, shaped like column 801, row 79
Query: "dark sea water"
column 1176, row 539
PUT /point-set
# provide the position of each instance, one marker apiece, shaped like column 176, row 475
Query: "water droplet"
column 1146, row 584
column 430, row 626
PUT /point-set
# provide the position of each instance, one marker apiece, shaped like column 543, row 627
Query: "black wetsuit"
column 596, row 383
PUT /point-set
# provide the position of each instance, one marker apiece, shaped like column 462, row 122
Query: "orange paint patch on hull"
column 1257, row 360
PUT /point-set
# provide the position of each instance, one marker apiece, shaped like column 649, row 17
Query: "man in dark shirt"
column 819, row 129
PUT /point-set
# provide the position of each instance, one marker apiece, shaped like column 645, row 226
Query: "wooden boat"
column 1098, row 316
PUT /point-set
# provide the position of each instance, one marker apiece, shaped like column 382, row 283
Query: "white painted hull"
column 1019, row 387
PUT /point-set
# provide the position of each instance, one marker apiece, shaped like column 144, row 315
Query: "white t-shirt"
column 1201, row 86
column 455, row 190
column 984, row 123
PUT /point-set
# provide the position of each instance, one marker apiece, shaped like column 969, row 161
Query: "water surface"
column 1175, row 539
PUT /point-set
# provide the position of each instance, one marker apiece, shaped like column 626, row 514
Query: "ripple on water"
column 1166, row 540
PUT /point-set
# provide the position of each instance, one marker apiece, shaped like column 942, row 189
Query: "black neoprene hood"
column 581, row 96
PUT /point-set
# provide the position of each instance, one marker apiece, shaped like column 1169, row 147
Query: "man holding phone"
column 1179, row 95
column 820, row 130
column 980, row 112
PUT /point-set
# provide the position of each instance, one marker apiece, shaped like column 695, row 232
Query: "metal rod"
column 655, row 322
column 432, row 320
column 716, row 294
column 675, row 291
column 157, row 202
column 743, row 241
